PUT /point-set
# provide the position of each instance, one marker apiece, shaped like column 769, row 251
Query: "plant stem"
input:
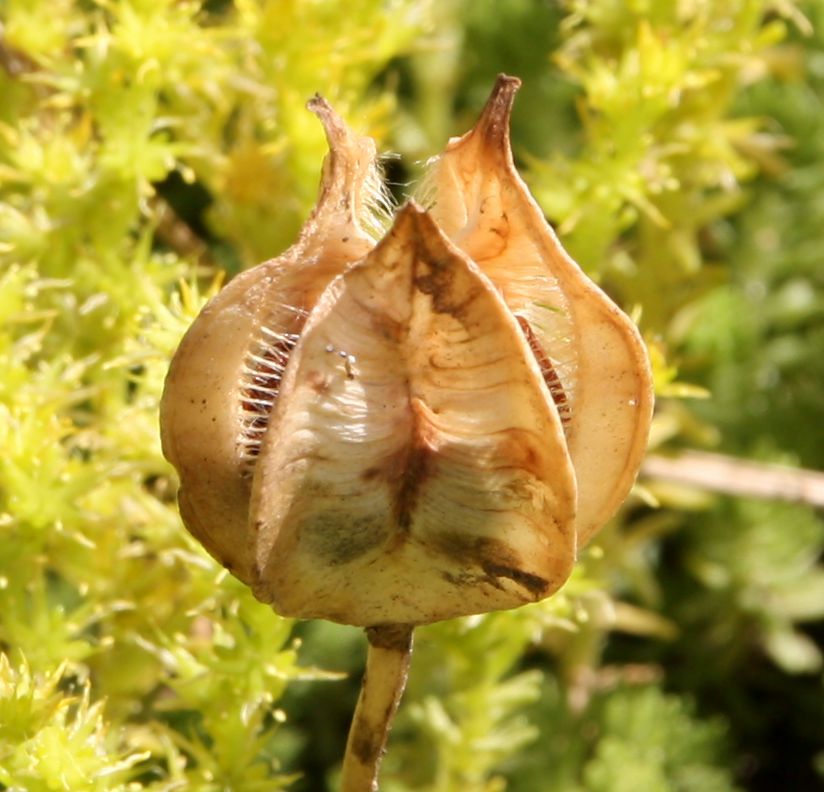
column 742, row 477
column 387, row 665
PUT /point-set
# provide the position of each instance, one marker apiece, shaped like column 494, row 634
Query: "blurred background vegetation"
column 147, row 146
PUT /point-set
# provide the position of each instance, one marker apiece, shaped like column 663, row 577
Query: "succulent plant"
column 387, row 430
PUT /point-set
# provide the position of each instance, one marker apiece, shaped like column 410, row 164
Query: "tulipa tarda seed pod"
column 391, row 429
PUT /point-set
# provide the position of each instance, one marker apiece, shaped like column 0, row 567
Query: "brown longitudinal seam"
column 551, row 378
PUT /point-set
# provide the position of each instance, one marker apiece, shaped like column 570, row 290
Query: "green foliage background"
column 148, row 145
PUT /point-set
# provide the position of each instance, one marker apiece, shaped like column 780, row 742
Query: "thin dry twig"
column 733, row 476
column 173, row 231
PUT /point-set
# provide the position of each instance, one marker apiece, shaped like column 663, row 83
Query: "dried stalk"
column 738, row 477
column 387, row 665
column 173, row 231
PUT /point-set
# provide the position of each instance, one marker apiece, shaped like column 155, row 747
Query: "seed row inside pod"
column 390, row 430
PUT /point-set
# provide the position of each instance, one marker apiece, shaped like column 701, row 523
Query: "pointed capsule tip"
column 493, row 125
column 334, row 126
column 502, row 97
column 416, row 223
column 412, row 207
column 411, row 222
column 316, row 99
column 406, row 218
column 506, row 82
column 412, row 212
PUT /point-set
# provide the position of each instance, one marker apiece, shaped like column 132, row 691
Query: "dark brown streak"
column 405, row 472
column 533, row 583
column 368, row 745
column 418, row 468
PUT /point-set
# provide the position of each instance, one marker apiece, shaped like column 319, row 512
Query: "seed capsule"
column 417, row 429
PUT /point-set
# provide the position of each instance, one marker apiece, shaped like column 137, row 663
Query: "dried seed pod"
column 593, row 360
column 430, row 480
column 351, row 466
column 391, row 435
column 225, row 377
